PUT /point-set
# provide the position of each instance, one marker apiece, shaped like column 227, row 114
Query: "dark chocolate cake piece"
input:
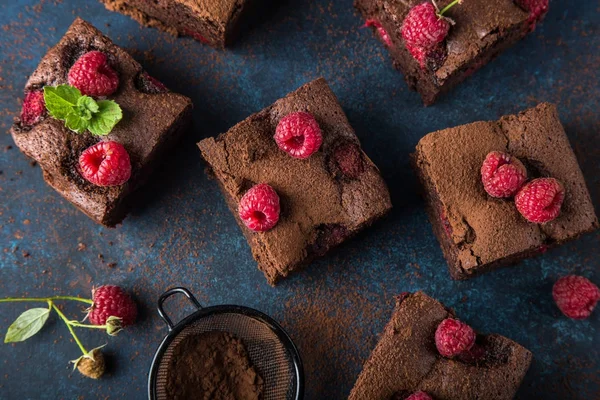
column 325, row 198
column 477, row 232
column 406, row 360
column 214, row 22
column 153, row 119
column 482, row 29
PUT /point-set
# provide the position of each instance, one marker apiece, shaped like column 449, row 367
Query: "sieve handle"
column 170, row 293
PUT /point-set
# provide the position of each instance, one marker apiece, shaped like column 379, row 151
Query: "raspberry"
column 502, row 174
column 298, row 134
column 93, row 76
column 420, row 395
column 423, row 27
column 575, row 296
column 418, row 53
column 540, row 200
column 112, row 301
column 446, row 224
column 148, row 84
column 536, row 8
column 473, row 355
column 259, row 208
column 349, row 160
column 385, row 37
column 34, row 107
column 453, row 337
column 105, row 164
column 196, row 35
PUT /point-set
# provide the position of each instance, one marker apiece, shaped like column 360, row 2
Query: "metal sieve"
column 269, row 347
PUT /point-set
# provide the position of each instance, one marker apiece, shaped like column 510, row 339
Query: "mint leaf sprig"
column 81, row 113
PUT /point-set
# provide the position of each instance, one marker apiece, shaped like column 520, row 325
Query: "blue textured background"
column 183, row 233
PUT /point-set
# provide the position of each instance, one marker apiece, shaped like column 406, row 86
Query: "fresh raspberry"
column 105, row 164
column 453, row 337
column 349, row 160
column 575, row 296
column 536, row 8
column 385, row 37
column 93, row 76
column 34, row 107
column 502, row 174
column 423, row 27
column 540, row 200
column 298, row 134
column 418, row 53
column 259, row 208
column 112, row 301
column 149, row 84
column 420, row 395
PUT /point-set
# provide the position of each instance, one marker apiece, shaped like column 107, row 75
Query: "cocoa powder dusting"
column 212, row 366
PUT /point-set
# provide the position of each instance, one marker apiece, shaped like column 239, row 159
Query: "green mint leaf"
column 28, row 324
column 86, row 107
column 108, row 115
column 78, row 119
column 76, row 122
column 60, row 100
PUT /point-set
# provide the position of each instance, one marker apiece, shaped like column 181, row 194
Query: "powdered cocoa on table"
column 212, row 366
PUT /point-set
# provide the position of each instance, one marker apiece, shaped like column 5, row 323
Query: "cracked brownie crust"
column 152, row 122
column 406, row 360
column 478, row 233
column 320, row 206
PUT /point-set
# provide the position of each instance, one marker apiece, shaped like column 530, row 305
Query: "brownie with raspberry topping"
column 324, row 199
column 480, row 31
column 478, row 232
column 213, row 22
column 406, row 360
column 153, row 119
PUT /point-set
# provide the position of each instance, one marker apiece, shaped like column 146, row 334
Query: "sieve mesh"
column 266, row 351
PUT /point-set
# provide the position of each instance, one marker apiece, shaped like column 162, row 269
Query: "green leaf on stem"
column 28, row 324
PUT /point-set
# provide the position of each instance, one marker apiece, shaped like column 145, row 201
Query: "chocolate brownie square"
column 325, row 198
column 153, row 119
column 482, row 29
column 406, row 360
column 477, row 232
column 213, row 22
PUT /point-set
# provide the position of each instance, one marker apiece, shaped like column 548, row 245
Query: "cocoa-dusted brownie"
column 213, row 22
column 325, row 198
column 482, row 29
column 477, row 232
column 406, row 360
column 153, row 118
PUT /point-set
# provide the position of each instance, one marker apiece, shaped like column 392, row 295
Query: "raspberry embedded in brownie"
column 406, row 361
column 325, row 198
column 152, row 121
column 478, row 232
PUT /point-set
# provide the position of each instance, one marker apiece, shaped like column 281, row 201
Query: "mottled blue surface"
column 183, row 233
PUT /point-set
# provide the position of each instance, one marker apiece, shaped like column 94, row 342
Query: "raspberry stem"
column 449, row 6
column 80, row 325
column 67, row 322
column 53, row 298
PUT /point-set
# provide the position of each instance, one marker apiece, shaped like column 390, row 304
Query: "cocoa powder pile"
column 212, row 366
